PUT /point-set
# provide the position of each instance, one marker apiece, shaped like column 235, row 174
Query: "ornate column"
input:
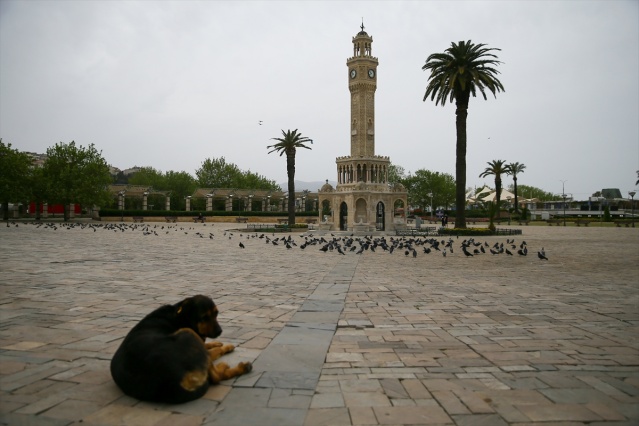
column 209, row 202
column 45, row 210
column 145, row 196
column 229, row 203
column 188, row 203
column 168, row 202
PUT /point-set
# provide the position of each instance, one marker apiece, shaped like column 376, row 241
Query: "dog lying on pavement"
column 165, row 358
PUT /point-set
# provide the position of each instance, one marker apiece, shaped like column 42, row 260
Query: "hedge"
column 162, row 213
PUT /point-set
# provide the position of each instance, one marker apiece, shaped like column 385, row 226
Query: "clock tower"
column 363, row 201
column 362, row 83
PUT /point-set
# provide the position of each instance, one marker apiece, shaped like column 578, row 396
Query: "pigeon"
column 241, row 245
column 541, row 254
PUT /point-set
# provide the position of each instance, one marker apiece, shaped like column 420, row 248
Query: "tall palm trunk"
column 460, row 165
column 290, row 172
column 515, row 190
column 498, row 196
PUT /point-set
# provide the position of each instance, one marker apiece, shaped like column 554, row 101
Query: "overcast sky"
column 169, row 84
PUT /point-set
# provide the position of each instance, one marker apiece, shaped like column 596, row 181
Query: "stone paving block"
column 327, row 417
column 257, row 416
column 362, row 416
column 558, row 412
column 72, row 410
column 327, row 400
column 180, row 420
column 117, row 415
column 479, row 420
column 411, row 415
column 288, row 380
column 14, row 419
column 449, row 402
column 287, row 398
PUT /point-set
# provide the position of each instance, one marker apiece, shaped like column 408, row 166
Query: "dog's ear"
column 184, row 305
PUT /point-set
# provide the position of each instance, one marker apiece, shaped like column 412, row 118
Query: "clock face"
column 353, row 73
column 371, row 73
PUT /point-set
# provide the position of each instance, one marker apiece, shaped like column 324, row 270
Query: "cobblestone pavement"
column 369, row 339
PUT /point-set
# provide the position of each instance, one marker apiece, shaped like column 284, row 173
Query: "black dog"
column 164, row 357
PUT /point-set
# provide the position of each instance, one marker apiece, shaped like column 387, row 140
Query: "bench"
column 138, row 219
column 552, row 222
column 282, row 221
column 412, row 232
column 580, row 222
column 240, row 219
column 626, row 223
column 199, row 219
column 475, row 220
column 170, row 218
column 523, row 222
column 258, row 226
column 282, row 228
column 312, row 220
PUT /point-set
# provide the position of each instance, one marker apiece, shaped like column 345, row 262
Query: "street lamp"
column 430, row 194
column 632, row 205
column 121, row 194
column 563, row 194
column 509, row 198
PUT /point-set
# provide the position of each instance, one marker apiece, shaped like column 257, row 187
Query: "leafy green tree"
column 288, row 145
column 148, row 176
column 181, row 185
column 424, row 184
column 532, row 192
column 396, row 174
column 15, row 169
column 252, row 180
column 76, row 174
column 496, row 168
column 514, row 169
column 217, row 173
column 456, row 74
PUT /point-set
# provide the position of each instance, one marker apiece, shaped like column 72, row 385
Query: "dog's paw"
column 246, row 367
column 211, row 345
column 228, row 348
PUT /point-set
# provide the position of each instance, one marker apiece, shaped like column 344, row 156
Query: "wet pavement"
column 368, row 339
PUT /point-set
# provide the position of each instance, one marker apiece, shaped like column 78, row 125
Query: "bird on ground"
column 541, row 254
column 241, row 245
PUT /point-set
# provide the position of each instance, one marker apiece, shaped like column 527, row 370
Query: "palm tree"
column 514, row 169
column 460, row 71
column 496, row 168
column 288, row 145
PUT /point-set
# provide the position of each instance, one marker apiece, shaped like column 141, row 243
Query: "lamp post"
column 632, row 205
column 563, row 194
column 430, row 194
column 121, row 194
column 509, row 198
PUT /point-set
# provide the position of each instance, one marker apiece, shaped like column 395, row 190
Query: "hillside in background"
column 310, row 186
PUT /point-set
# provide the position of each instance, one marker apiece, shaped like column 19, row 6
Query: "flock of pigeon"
column 342, row 244
column 409, row 246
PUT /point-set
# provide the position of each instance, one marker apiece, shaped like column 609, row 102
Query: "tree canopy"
column 15, row 171
column 217, row 173
column 76, row 175
column 425, row 186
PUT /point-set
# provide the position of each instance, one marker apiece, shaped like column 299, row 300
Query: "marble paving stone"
column 357, row 339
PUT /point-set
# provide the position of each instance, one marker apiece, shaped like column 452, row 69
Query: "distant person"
column 199, row 216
